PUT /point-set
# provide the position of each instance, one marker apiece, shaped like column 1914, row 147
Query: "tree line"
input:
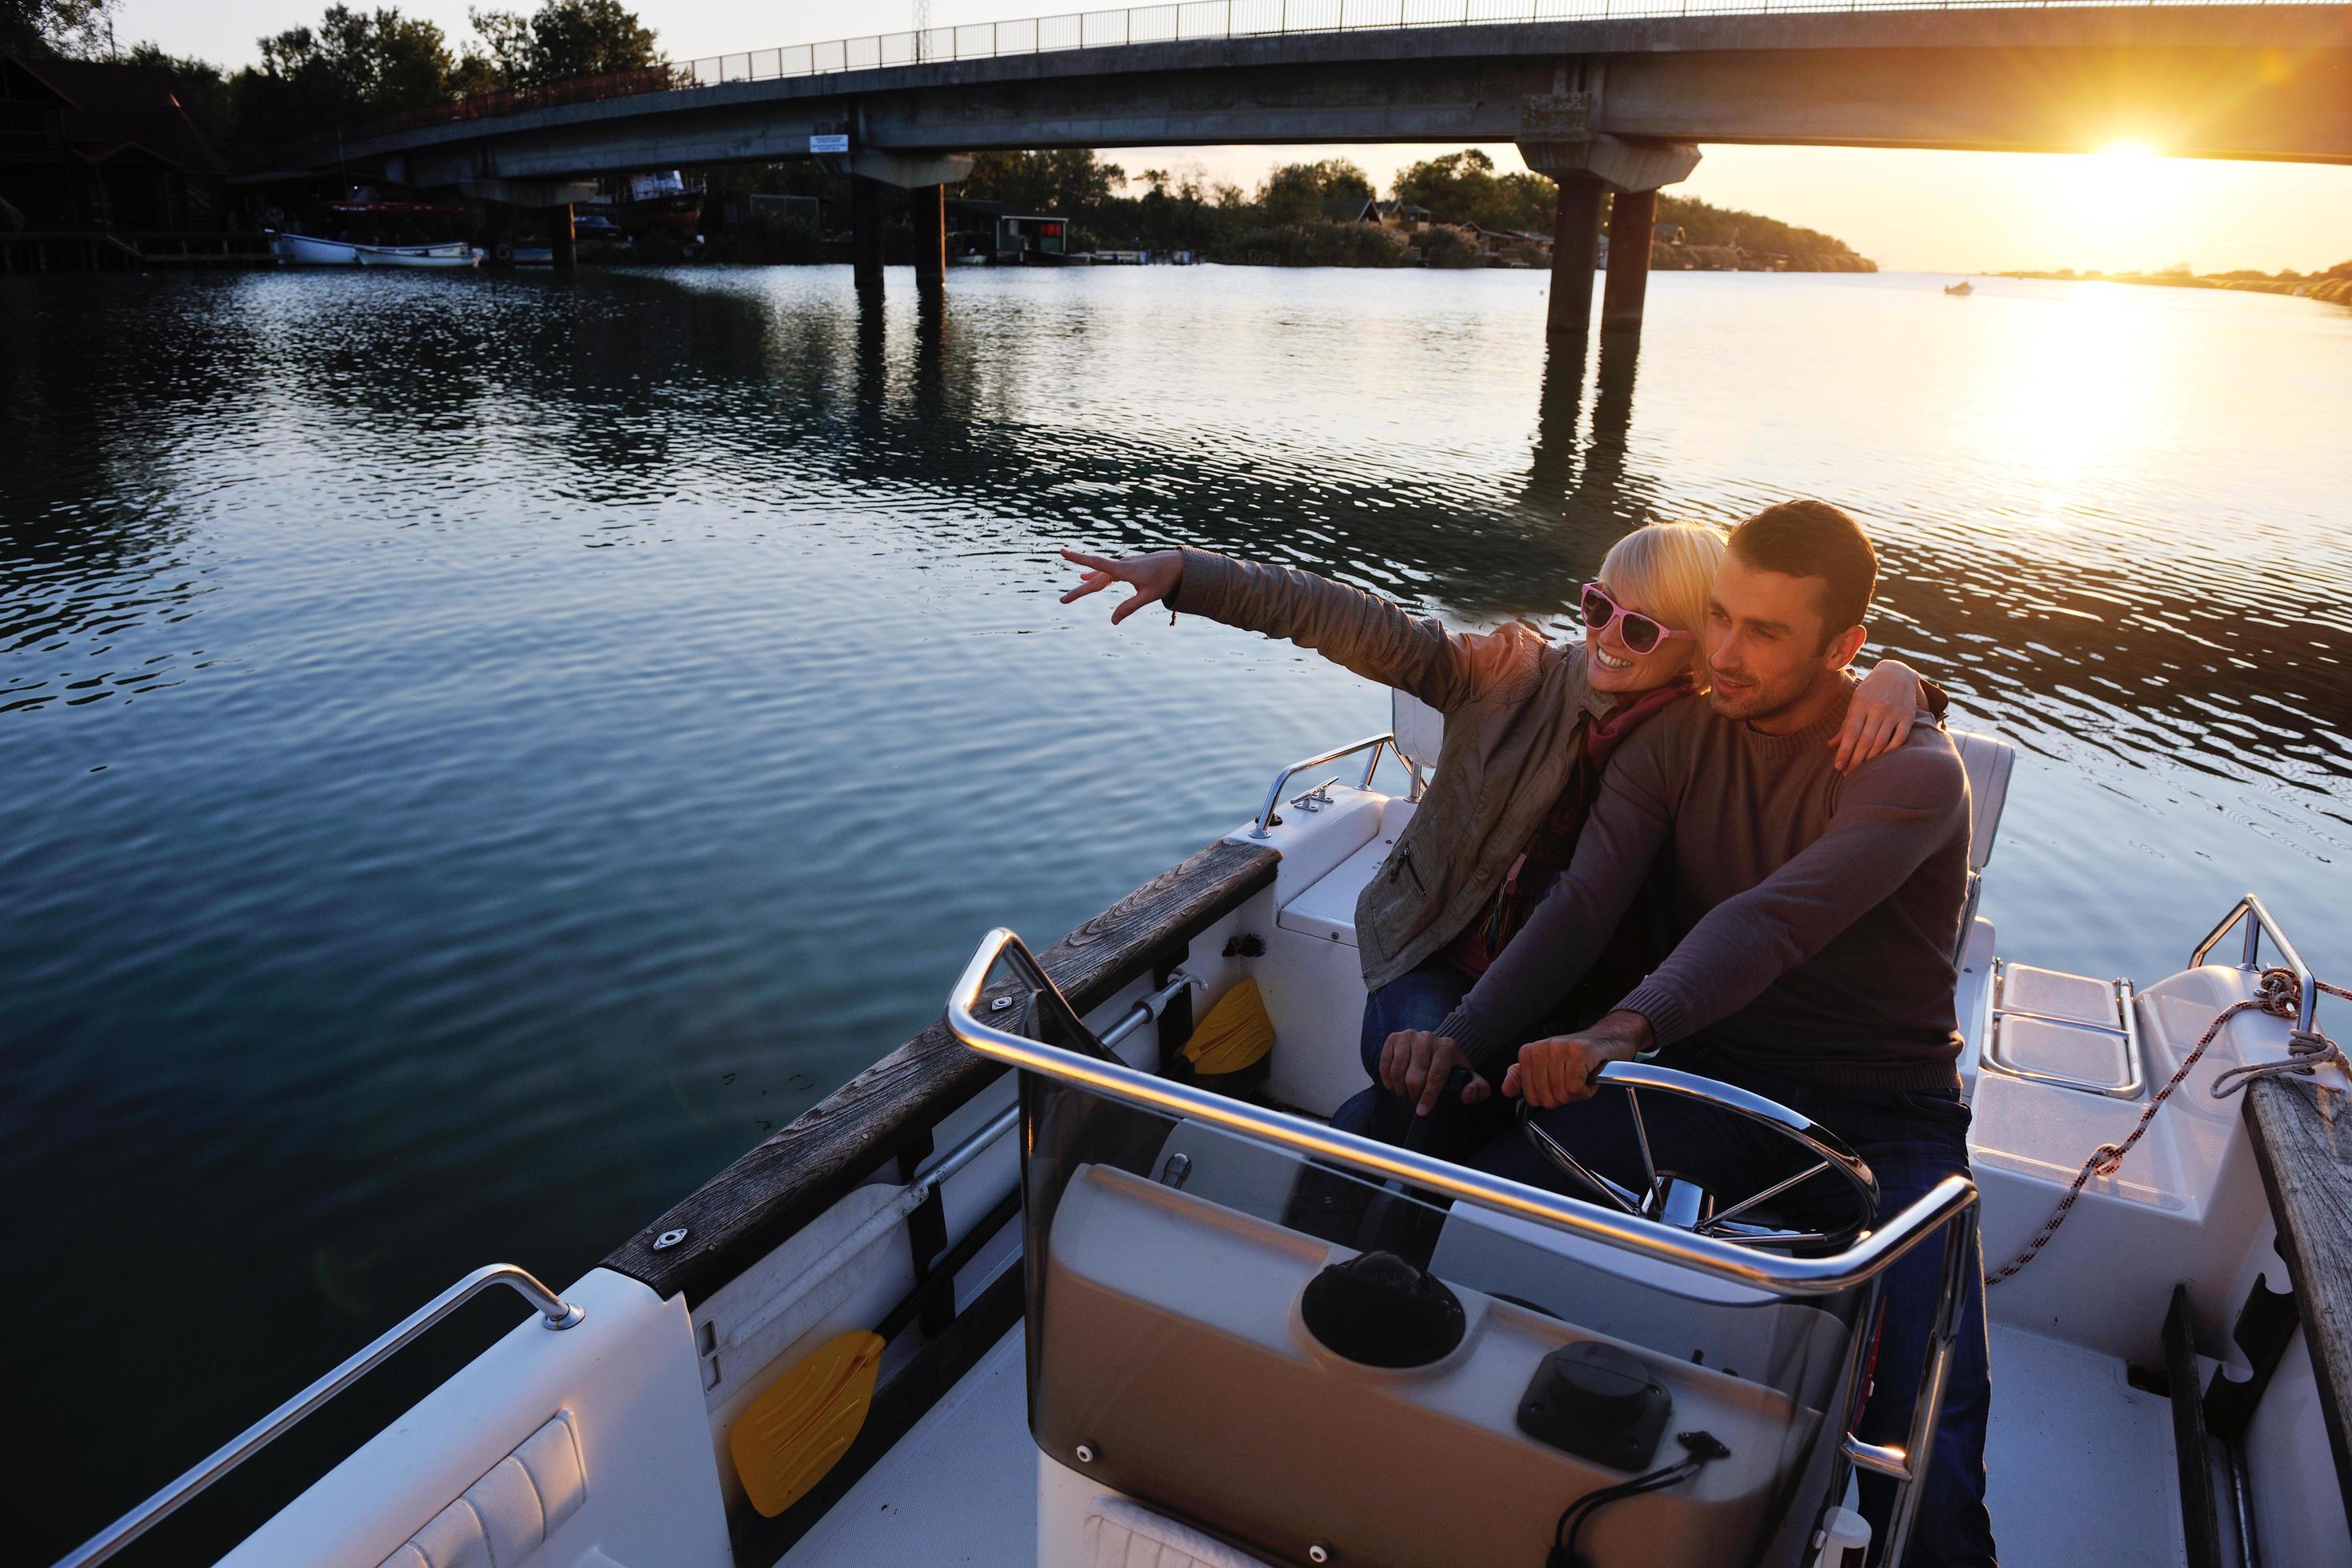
column 353, row 65
column 1300, row 214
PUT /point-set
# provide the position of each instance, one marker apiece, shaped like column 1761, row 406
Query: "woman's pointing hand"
column 1153, row 577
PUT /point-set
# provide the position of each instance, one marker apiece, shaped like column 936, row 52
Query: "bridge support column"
column 1632, row 219
column 1575, row 242
column 562, row 242
column 865, row 232
column 928, row 206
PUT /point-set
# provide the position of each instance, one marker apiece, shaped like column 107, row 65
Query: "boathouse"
column 100, row 164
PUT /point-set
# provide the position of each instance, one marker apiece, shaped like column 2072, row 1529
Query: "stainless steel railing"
column 1948, row 1207
column 555, row 1312
column 2257, row 920
column 1857, row 1265
column 1265, row 818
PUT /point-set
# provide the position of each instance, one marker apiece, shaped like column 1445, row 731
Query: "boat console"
column 1424, row 1364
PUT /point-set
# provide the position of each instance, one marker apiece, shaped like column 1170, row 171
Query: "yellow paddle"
column 787, row 1439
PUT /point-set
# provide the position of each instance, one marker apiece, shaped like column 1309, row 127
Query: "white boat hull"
column 305, row 250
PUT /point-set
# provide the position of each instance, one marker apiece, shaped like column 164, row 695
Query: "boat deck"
column 960, row 1488
column 2079, row 1469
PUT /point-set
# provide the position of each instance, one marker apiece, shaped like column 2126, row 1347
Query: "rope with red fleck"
column 2277, row 994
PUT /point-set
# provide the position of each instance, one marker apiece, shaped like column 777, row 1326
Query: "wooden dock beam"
column 563, row 239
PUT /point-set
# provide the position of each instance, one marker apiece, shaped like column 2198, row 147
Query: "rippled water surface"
column 476, row 752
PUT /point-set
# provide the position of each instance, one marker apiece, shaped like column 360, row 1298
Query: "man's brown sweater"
column 1821, row 910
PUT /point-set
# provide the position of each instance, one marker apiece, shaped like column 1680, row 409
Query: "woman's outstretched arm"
column 1360, row 631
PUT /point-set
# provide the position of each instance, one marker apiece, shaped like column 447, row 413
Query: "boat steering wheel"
column 1674, row 1199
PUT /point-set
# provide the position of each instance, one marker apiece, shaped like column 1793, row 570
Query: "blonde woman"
column 1529, row 725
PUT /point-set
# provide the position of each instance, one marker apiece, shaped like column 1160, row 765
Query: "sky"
column 1908, row 211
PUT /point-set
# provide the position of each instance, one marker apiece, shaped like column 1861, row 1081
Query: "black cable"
column 1699, row 1449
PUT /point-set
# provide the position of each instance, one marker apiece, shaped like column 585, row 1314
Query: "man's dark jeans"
column 1910, row 1141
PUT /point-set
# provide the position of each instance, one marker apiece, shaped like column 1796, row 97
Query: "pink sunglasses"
column 1638, row 631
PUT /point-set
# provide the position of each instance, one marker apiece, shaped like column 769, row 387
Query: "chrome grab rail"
column 2257, row 920
column 1265, row 818
column 1857, row 1265
column 977, row 1143
column 555, row 1312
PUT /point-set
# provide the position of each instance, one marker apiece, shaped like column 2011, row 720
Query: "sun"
column 2123, row 193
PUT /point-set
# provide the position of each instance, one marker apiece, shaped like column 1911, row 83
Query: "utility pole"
column 922, row 24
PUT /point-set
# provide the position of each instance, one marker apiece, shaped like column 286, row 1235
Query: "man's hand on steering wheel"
column 1556, row 1071
column 1415, row 1065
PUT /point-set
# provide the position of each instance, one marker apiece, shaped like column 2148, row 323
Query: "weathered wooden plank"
column 751, row 1207
column 2200, row 1518
column 2306, row 1165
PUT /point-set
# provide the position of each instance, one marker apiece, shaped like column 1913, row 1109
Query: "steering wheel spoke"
column 1774, row 1191
column 1642, row 1136
column 1830, row 1157
column 1550, row 1145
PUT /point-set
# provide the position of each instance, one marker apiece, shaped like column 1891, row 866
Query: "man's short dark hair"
column 1814, row 539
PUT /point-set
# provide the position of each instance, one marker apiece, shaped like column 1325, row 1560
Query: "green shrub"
column 1312, row 245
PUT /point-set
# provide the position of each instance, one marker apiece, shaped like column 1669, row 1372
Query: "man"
column 1821, row 915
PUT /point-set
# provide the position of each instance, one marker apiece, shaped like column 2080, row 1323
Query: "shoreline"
column 2328, row 290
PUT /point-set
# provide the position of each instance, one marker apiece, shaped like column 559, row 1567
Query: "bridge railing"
column 1178, row 21
column 1173, row 23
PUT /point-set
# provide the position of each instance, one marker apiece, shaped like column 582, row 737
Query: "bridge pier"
column 865, row 232
column 1575, row 242
column 928, row 206
column 562, row 241
column 1559, row 136
column 1577, row 235
column 1633, row 219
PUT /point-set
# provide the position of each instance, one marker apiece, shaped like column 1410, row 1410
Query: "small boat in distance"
column 309, row 251
column 1962, row 288
column 379, row 234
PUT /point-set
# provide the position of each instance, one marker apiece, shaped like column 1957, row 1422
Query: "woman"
column 1530, row 726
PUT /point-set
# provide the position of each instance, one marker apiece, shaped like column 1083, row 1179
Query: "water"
column 478, row 753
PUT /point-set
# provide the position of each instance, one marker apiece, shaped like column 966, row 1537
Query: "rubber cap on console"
column 1380, row 1310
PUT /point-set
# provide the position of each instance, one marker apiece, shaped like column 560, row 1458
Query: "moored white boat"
column 1060, row 1316
column 309, row 251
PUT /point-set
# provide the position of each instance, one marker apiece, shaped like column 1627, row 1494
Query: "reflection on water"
column 479, row 752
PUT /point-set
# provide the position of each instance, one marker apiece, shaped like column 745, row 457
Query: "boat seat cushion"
column 1988, row 760
column 1122, row 1534
column 1419, row 728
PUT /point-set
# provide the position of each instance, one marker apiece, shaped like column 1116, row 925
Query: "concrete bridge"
column 1618, row 104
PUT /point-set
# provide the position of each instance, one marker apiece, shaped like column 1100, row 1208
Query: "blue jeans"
column 1418, row 999
column 1910, row 1141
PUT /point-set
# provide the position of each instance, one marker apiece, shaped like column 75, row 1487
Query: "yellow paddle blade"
column 1234, row 1035
column 787, row 1439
